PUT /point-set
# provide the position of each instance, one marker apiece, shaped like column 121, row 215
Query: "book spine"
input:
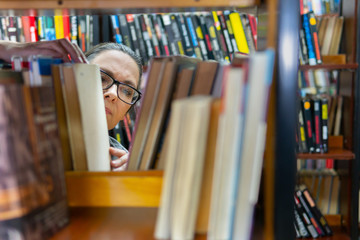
column 95, row 30
column 152, row 34
column 132, row 30
column 317, row 124
column 324, row 123
column 314, row 36
column 308, row 38
column 308, row 212
column 124, row 31
column 82, row 33
column 66, row 23
column 303, row 232
column 142, row 46
column 116, row 29
column 171, row 36
column 247, row 30
column 184, row 33
column 192, row 33
column 239, row 33
column 316, row 212
column 220, row 36
column 230, row 29
column 304, row 217
column 303, row 48
column 159, row 25
column 226, row 33
column 200, row 36
column 74, row 31
column 253, row 26
column 214, row 41
column 302, row 133
column 207, row 39
column 177, row 35
column 146, row 37
column 308, row 120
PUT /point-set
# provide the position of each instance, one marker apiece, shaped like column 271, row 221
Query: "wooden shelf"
column 114, row 6
column 114, row 189
column 350, row 66
column 125, row 223
column 334, row 153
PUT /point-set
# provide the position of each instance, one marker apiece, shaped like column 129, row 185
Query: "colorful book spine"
column 192, row 33
column 314, row 36
column 239, row 33
column 116, row 29
column 308, row 38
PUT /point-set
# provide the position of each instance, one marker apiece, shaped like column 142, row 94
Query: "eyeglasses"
column 125, row 92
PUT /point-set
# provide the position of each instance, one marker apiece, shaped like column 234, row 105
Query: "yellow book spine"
column 239, row 32
column 59, row 27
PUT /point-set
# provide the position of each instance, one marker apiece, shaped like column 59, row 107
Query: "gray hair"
column 99, row 48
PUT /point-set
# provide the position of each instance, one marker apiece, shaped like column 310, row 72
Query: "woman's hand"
column 119, row 164
column 60, row 48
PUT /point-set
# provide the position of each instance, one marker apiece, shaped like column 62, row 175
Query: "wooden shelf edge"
column 334, row 153
column 111, row 4
column 351, row 66
column 109, row 189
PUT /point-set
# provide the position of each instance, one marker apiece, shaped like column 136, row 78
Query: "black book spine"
column 105, row 28
column 314, row 36
column 146, row 37
column 231, row 32
column 221, row 37
column 171, row 35
column 308, row 212
column 317, row 124
column 152, row 33
column 206, row 37
column 303, row 47
column 96, row 30
column 124, row 30
column 226, row 33
column 303, row 232
column 132, row 30
column 142, row 46
column 184, row 33
column 304, row 217
column 200, row 36
column 316, row 212
column 302, row 132
column 177, row 34
column 214, row 41
column 308, row 121
column 162, row 36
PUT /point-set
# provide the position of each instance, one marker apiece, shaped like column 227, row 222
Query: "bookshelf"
column 346, row 157
column 109, row 205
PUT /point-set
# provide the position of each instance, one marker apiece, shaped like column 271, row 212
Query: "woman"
column 121, row 71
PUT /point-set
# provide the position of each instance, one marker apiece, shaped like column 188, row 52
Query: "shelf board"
column 114, row 189
column 350, row 66
column 129, row 223
column 112, row 6
column 334, row 153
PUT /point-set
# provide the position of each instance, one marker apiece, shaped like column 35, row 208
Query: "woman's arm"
column 61, row 48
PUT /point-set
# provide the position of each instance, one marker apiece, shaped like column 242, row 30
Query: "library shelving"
column 347, row 156
column 109, row 205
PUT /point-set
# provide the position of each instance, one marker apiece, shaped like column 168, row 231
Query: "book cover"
column 193, row 36
column 132, row 30
column 205, row 75
column 125, row 32
column 200, row 36
column 184, row 34
column 314, row 36
column 308, row 38
column 116, row 29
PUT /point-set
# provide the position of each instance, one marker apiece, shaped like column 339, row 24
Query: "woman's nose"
column 111, row 93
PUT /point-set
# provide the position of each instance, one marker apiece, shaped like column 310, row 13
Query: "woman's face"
column 124, row 69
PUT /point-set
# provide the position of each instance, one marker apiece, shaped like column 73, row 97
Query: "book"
column 324, row 124
column 192, row 33
column 116, row 29
column 205, row 74
column 181, row 191
column 214, row 37
column 221, row 36
column 88, row 134
column 200, row 36
column 124, row 31
column 33, row 183
column 185, row 36
column 239, row 32
column 317, row 113
column 253, row 141
column 329, row 32
column 152, row 34
column 203, row 214
column 304, row 217
column 308, row 38
column 162, row 104
column 336, row 37
column 314, row 36
column 134, row 37
column 143, row 121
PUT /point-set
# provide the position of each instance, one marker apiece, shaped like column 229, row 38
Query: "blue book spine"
column 311, row 51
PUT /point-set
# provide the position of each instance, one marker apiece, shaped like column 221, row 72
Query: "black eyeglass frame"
column 117, row 89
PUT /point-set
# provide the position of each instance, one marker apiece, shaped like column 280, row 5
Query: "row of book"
column 205, row 35
column 319, row 36
column 320, row 7
column 32, row 183
column 319, row 116
column 317, row 82
column 309, row 221
column 204, row 123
